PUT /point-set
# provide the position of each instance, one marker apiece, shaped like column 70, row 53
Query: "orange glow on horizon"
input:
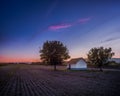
column 13, row 60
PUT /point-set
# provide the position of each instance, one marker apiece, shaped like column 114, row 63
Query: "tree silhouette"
column 99, row 56
column 54, row 53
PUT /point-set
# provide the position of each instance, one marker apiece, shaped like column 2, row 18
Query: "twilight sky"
column 80, row 24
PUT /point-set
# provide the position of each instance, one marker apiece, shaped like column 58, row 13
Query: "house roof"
column 75, row 60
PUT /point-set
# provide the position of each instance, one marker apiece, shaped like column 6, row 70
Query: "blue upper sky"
column 80, row 24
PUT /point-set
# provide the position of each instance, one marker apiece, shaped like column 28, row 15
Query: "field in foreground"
column 36, row 80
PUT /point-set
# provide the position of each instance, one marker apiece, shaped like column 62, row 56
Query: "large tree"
column 54, row 53
column 99, row 56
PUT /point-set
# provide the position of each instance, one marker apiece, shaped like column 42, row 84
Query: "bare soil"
column 36, row 80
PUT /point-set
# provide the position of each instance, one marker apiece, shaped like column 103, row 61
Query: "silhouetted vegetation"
column 99, row 56
column 3, row 64
column 54, row 53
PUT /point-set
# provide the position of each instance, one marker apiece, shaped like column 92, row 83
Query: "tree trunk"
column 101, row 69
column 54, row 67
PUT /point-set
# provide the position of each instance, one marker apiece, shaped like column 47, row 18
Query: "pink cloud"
column 67, row 25
column 59, row 26
column 84, row 20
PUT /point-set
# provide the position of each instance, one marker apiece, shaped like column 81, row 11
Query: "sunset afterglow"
column 80, row 24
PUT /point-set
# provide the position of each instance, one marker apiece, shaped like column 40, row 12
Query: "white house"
column 77, row 64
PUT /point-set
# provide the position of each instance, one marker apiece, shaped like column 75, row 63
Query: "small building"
column 77, row 64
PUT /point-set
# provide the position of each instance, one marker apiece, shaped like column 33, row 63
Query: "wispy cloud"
column 84, row 20
column 54, row 27
column 51, row 8
column 111, row 39
column 68, row 25
column 59, row 26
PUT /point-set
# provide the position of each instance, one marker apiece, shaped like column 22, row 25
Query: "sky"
column 80, row 24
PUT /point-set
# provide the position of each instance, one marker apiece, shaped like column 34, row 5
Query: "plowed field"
column 36, row 80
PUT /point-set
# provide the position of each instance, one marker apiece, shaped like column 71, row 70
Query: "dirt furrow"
column 30, row 80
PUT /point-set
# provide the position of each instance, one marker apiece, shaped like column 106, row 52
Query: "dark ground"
column 36, row 80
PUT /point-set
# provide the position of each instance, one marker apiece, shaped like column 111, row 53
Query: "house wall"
column 79, row 65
